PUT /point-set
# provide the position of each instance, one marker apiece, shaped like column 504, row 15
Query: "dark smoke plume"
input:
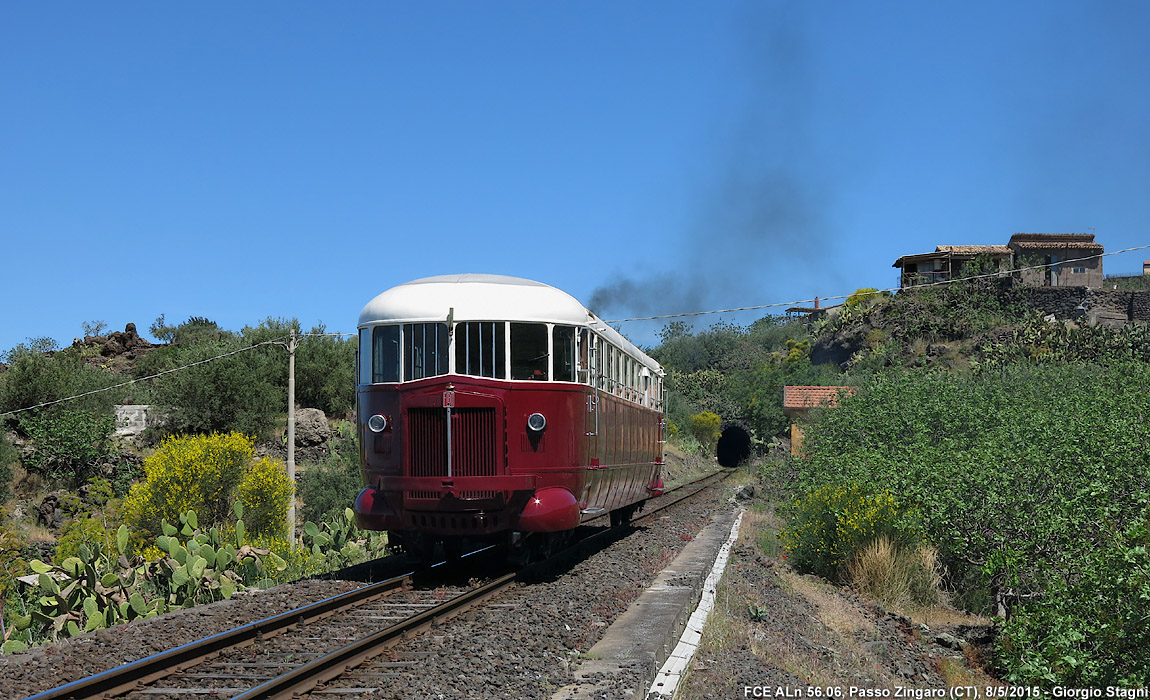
column 759, row 215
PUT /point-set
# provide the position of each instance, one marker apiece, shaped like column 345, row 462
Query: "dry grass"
column 838, row 614
column 681, row 468
column 725, row 628
column 37, row 533
column 897, row 577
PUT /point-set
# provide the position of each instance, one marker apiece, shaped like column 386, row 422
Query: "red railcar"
column 491, row 405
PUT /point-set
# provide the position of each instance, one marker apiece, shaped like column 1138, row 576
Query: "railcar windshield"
column 481, row 349
column 424, row 350
column 529, row 351
column 385, row 354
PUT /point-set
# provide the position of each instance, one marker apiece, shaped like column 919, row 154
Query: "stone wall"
column 1108, row 307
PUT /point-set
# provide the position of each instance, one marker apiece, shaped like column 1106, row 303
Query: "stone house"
column 1062, row 253
column 948, row 262
column 799, row 400
column 1068, row 260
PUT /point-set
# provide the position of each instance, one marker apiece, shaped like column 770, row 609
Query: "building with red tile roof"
column 798, row 400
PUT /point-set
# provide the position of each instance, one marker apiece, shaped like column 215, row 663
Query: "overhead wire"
column 273, row 341
column 688, row 314
column 758, row 307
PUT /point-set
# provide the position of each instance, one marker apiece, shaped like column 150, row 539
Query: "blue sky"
column 294, row 159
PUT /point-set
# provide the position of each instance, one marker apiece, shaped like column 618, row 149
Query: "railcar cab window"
column 424, row 350
column 384, row 356
column 481, row 349
column 529, row 351
column 563, row 341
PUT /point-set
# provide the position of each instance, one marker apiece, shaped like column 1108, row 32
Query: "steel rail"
column 133, row 675
column 151, row 668
column 324, row 668
column 304, row 678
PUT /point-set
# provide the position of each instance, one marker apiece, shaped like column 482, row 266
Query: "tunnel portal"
column 734, row 446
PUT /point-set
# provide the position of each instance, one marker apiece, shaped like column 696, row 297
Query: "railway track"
column 275, row 657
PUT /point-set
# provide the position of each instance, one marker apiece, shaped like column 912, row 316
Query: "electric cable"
column 876, row 291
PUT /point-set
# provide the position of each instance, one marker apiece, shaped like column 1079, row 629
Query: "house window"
column 1080, row 270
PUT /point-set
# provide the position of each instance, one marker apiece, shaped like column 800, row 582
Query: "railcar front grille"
column 474, row 442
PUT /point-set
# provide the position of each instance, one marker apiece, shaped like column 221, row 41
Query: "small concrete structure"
column 131, row 419
column 799, row 400
column 640, row 640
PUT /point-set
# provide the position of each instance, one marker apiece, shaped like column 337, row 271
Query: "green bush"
column 235, row 393
column 8, row 457
column 326, row 489
column 70, row 444
column 1090, row 630
column 83, row 531
column 739, row 373
column 40, row 372
column 830, row 525
column 324, row 365
column 705, row 428
column 325, row 373
column 1020, row 475
column 246, row 392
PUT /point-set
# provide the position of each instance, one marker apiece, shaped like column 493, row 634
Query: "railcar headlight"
column 536, row 422
column 377, row 423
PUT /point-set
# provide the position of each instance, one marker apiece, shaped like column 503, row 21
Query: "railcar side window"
column 424, row 350
column 563, row 340
column 529, row 351
column 585, row 354
column 600, row 359
column 609, row 359
column 385, row 354
column 480, row 349
column 620, row 372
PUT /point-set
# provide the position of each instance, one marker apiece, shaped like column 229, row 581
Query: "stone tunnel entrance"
column 734, row 446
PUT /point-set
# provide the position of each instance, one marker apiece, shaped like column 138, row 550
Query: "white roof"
column 480, row 297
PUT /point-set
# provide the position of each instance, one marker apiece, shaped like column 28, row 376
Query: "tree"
column 231, row 393
column 8, row 457
column 40, row 372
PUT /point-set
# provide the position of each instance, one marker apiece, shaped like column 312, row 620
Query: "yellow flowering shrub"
column 265, row 492
column 206, row 474
column 830, row 525
column 705, row 427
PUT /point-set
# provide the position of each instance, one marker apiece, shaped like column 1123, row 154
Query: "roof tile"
column 813, row 396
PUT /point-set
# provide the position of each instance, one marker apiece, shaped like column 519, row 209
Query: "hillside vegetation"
column 987, row 449
column 190, row 514
column 987, row 453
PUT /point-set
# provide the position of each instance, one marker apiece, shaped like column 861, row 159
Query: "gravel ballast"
column 522, row 646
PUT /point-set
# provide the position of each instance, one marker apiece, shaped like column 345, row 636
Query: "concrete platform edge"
column 634, row 648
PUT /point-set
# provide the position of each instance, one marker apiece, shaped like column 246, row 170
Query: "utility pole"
column 291, row 346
